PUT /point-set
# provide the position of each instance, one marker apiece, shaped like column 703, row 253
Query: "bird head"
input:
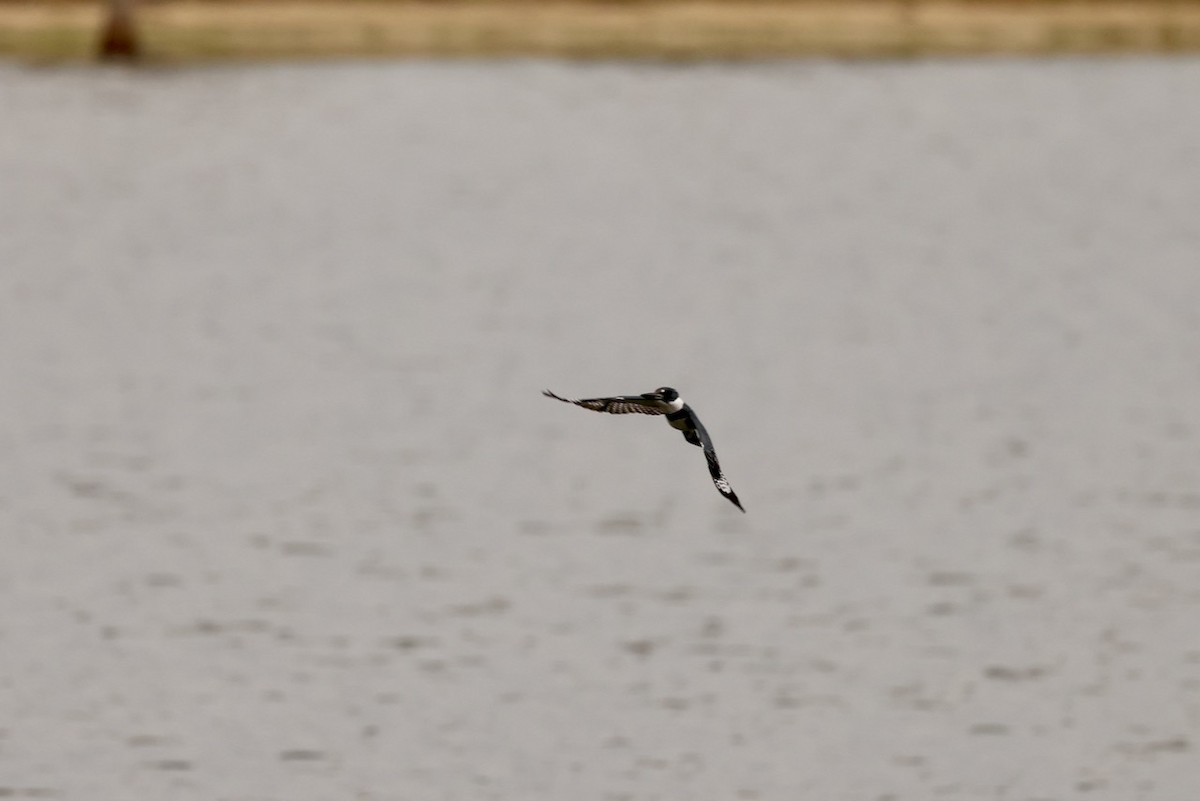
column 666, row 394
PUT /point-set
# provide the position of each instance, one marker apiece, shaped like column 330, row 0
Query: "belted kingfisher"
column 664, row 400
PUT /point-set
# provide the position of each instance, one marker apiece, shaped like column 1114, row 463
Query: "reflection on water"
column 284, row 511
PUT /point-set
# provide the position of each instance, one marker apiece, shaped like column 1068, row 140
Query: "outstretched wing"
column 714, row 467
column 714, row 470
column 621, row 404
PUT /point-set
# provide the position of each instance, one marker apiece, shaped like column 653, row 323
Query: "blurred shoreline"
column 681, row 30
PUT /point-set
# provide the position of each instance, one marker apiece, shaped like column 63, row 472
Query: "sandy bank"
column 188, row 31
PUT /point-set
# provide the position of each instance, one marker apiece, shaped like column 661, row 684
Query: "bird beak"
column 652, row 395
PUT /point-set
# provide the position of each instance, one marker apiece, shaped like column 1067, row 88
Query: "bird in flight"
column 680, row 416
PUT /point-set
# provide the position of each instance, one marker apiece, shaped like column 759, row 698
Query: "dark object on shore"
column 119, row 41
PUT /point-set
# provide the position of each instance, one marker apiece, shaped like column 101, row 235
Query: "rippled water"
column 284, row 515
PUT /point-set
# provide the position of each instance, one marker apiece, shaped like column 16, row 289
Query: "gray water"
column 283, row 514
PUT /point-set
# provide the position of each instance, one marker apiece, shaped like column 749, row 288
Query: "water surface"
column 284, row 515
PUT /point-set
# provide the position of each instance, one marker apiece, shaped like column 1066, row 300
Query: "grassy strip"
column 186, row 30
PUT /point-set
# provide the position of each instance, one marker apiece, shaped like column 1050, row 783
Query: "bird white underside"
column 674, row 405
